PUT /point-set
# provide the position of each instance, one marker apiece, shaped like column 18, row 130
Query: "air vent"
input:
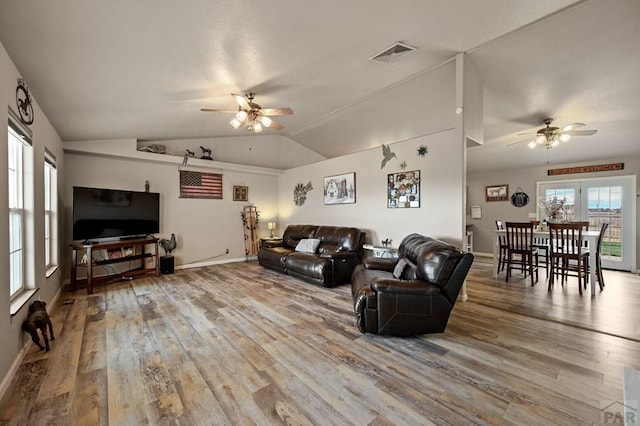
column 392, row 53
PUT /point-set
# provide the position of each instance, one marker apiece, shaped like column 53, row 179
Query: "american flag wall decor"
column 200, row 185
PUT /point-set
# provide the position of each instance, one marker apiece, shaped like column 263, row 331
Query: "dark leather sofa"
column 332, row 262
column 413, row 294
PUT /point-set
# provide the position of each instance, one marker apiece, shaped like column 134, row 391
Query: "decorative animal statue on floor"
column 38, row 319
column 168, row 245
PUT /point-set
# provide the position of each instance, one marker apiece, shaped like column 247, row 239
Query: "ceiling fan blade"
column 218, row 110
column 276, row 111
column 581, row 132
column 572, row 126
column 242, row 101
column 276, row 125
column 519, row 142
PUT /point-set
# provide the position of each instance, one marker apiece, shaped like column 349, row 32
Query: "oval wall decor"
column 519, row 198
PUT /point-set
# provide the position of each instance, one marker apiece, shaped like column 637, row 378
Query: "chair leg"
column 580, row 276
column 599, row 274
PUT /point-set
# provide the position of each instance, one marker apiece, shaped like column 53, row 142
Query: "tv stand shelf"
column 116, row 252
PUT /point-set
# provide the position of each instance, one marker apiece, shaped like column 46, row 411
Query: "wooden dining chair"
column 502, row 248
column 542, row 244
column 598, row 265
column 568, row 253
column 520, row 250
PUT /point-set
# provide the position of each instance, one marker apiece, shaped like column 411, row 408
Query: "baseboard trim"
column 14, row 369
column 6, row 381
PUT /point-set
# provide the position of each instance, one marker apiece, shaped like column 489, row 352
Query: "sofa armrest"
column 338, row 254
column 273, row 243
column 405, row 286
column 380, row 264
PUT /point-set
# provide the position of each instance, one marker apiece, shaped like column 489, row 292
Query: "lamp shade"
column 271, row 225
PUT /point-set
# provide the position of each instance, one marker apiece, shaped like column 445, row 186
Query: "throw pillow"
column 309, row 245
column 398, row 271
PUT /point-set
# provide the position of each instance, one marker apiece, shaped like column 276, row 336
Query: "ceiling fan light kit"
column 550, row 137
column 253, row 116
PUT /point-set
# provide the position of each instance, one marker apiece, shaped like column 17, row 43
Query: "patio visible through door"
column 597, row 201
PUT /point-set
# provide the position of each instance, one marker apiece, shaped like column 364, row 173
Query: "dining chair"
column 502, row 247
column 542, row 244
column 568, row 253
column 520, row 250
column 598, row 265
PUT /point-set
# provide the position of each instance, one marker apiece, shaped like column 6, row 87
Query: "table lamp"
column 271, row 226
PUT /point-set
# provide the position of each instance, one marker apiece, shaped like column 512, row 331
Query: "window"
column 19, row 151
column 50, row 210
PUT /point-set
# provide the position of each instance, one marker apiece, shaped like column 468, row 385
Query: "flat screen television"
column 110, row 213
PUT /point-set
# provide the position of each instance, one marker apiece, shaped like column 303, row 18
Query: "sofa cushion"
column 308, row 245
column 404, row 270
column 398, row 271
column 308, row 265
column 294, row 233
column 334, row 238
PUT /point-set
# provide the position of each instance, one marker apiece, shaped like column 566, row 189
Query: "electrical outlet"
column 227, row 251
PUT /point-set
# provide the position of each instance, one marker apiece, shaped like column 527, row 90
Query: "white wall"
column 440, row 214
column 44, row 136
column 526, row 179
column 204, row 228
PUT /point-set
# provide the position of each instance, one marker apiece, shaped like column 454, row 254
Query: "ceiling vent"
column 392, row 53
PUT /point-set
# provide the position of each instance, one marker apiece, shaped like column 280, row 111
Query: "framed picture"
column 340, row 189
column 403, row 190
column 240, row 193
column 497, row 193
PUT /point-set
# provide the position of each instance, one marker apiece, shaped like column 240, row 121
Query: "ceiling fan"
column 550, row 137
column 251, row 115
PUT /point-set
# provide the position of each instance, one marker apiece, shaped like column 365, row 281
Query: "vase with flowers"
column 553, row 209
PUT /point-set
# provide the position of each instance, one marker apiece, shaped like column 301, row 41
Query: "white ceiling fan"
column 550, row 137
column 251, row 115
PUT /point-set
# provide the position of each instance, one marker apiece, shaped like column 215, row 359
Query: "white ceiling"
column 143, row 69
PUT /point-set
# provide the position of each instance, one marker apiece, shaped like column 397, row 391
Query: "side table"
column 265, row 240
column 386, row 252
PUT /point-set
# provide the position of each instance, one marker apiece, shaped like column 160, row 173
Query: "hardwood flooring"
column 238, row 344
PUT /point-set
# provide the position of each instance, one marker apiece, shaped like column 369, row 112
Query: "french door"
column 597, row 201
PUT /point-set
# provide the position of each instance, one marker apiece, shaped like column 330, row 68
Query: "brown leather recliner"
column 413, row 294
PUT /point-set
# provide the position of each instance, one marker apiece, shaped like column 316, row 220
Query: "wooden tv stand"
column 113, row 252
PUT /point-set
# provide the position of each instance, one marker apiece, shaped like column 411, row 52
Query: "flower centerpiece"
column 553, row 208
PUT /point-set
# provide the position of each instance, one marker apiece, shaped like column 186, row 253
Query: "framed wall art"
column 340, row 189
column 497, row 193
column 240, row 193
column 403, row 190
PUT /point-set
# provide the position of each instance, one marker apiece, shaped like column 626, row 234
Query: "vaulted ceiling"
column 143, row 69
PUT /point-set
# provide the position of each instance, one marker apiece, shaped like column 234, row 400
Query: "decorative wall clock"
column 23, row 101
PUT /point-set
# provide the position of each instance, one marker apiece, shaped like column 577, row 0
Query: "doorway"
column 598, row 201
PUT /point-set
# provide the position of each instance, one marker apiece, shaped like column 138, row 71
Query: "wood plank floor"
column 237, row 344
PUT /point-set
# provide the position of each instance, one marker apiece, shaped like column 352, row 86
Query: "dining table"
column 591, row 237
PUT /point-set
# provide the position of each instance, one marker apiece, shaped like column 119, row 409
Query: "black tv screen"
column 108, row 213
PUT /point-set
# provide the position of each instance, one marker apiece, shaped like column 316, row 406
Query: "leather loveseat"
column 328, row 261
column 413, row 294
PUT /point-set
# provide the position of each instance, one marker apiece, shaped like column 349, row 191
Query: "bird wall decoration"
column 387, row 155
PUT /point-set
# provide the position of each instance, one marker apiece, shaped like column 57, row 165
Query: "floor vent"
column 392, row 53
